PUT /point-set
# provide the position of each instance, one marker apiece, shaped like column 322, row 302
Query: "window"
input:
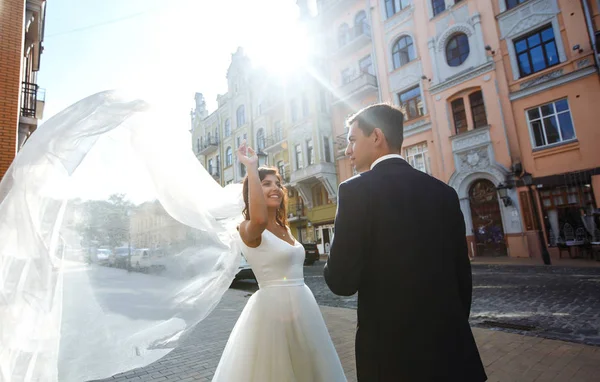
column 459, row 115
column 551, row 123
column 510, row 4
column 299, row 159
column 394, row 6
column 343, row 34
column 278, row 131
column 346, row 76
column 317, row 195
column 260, row 140
column 403, row 51
column 238, row 141
column 228, row 157
column 366, row 65
column 360, row 24
column 536, row 51
column 294, row 107
column 327, row 149
column 411, row 103
column 218, row 163
column 241, row 116
column 227, row 128
column 210, row 167
column 281, row 169
column 242, row 170
column 438, row 6
column 198, row 145
column 418, row 157
column 478, row 109
column 310, row 152
column 305, row 109
column 457, row 49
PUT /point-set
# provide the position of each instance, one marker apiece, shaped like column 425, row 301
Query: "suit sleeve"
column 347, row 253
column 463, row 263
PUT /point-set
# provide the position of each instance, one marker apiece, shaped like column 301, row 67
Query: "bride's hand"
column 247, row 156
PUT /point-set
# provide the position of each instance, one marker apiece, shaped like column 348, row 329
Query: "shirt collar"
column 385, row 157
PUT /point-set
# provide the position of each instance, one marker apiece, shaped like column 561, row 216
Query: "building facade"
column 492, row 91
column 287, row 122
column 21, row 45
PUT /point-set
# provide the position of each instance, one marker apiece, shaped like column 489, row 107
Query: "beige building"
column 490, row 89
column 288, row 123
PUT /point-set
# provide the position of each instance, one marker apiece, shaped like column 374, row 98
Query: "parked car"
column 311, row 253
column 244, row 270
column 103, row 256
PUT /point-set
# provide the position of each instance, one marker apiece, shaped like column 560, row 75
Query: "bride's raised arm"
column 252, row 229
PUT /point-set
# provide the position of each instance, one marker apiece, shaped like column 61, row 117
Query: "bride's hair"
column 281, row 216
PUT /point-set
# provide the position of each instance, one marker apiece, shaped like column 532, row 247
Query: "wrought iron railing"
column 29, row 93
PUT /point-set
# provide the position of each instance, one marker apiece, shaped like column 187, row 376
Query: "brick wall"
column 11, row 53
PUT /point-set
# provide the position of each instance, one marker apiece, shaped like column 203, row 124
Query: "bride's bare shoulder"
column 243, row 234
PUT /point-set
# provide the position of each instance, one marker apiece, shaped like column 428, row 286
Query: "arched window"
column 241, row 115
column 260, row 140
column 361, row 25
column 457, row 49
column 227, row 128
column 403, row 51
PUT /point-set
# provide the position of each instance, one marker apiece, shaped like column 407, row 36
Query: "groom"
column 400, row 242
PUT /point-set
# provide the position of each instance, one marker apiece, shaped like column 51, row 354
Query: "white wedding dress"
column 281, row 335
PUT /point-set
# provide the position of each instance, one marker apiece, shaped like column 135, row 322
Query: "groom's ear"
column 378, row 136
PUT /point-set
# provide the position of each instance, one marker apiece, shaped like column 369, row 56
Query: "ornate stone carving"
column 475, row 159
column 541, row 79
column 530, row 15
column 472, row 139
column 583, row 63
column 407, row 75
column 462, row 77
column 456, row 28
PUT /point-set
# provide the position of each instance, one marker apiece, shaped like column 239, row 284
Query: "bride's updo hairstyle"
column 281, row 217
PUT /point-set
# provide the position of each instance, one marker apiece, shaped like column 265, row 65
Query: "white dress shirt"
column 389, row 156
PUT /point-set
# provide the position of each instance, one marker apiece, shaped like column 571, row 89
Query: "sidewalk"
column 564, row 262
column 507, row 357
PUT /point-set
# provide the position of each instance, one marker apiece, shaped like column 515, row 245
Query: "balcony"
column 275, row 143
column 32, row 102
column 305, row 178
column 361, row 85
column 208, row 146
column 296, row 212
column 358, row 36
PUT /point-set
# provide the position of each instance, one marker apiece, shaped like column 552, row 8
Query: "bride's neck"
column 272, row 216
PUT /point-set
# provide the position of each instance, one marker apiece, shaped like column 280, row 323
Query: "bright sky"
column 172, row 47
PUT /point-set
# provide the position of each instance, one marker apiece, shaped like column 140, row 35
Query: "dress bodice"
column 276, row 262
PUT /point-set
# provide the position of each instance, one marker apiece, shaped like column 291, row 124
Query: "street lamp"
column 262, row 158
column 528, row 181
column 503, row 193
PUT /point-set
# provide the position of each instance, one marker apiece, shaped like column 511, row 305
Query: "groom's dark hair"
column 387, row 118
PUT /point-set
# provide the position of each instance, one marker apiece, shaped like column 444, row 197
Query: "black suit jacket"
column 400, row 242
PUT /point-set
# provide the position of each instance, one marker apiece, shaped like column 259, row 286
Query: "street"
column 553, row 303
column 556, row 303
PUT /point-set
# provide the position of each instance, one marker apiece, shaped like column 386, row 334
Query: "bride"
column 95, row 189
column 280, row 335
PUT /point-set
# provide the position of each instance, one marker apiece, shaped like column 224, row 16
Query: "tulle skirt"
column 280, row 336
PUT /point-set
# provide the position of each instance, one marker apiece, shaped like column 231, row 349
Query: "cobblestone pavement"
column 510, row 294
column 551, row 302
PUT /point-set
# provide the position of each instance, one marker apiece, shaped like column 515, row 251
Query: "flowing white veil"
column 114, row 243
